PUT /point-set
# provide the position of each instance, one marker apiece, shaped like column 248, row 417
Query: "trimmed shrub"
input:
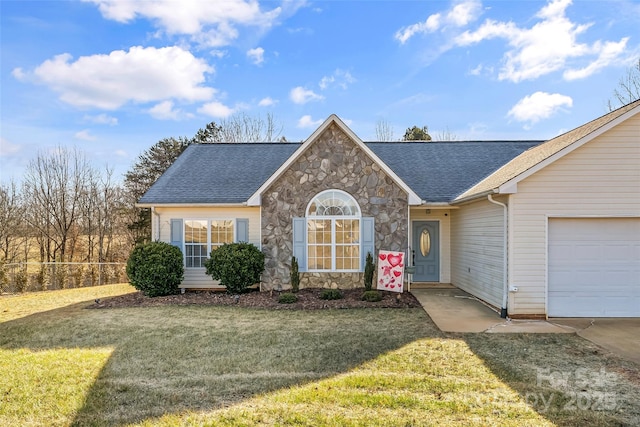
column 155, row 268
column 369, row 268
column 287, row 298
column 236, row 265
column 371, row 296
column 330, row 294
column 295, row 275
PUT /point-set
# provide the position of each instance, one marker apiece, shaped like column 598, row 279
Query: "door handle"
column 413, row 257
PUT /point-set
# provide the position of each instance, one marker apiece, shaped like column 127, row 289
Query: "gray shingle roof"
column 231, row 173
column 218, row 173
column 439, row 171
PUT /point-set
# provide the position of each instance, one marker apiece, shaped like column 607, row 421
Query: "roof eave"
column 473, row 197
column 191, row 205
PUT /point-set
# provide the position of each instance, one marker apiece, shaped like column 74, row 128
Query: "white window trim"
column 208, row 220
column 334, row 244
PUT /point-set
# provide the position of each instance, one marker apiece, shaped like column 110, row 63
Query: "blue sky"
column 112, row 77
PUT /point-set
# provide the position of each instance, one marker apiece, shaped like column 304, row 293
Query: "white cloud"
column 307, row 122
column 608, row 52
column 101, row 119
column 165, row 111
column 300, row 95
column 85, row 135
column 7, row 148
column 211, row 23
column 140, row 75
column 121, row 153
column 538, row 106
column 460, row 15
column 216, row 109
column 546, row 47
column 267, row 102
column 256, row 55
column 341, row 79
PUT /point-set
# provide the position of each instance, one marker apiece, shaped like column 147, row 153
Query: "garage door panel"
column 594, row 267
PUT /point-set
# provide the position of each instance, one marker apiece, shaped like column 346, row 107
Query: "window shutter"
column 368, row 234
column 243, row 230
column 300, row 242
column 176, row 232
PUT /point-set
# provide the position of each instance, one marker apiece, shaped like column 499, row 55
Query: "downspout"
column 157, row 233
column 505, row 266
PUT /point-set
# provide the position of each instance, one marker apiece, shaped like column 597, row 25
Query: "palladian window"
column 333, row 232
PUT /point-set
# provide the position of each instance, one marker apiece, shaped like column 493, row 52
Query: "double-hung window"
column 202, row 236
column 333, row 232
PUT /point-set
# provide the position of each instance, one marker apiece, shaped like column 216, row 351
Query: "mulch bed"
column 308, row 299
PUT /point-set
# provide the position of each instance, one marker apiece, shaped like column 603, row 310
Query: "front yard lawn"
column 202, row 365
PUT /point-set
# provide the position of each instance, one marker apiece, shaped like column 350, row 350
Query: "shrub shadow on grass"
column 563, row 377
column 172, row 359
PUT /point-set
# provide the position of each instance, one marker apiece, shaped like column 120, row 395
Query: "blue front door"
column 425, row 251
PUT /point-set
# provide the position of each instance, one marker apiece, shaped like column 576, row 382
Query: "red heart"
column 397, row 273
column 393, row 286
column 395, row 260
column 383, row 256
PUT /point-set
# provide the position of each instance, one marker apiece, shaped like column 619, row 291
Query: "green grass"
column 63, row 364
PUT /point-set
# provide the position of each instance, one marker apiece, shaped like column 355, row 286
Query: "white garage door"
column 594, row 267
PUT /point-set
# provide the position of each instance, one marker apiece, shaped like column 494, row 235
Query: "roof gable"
column 505, row 179
column 255, row 198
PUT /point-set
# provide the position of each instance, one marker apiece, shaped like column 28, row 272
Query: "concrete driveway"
column 619, row 335
column 454, row 310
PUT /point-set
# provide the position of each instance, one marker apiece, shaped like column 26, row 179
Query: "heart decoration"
column 390, row 271
column 395, row 260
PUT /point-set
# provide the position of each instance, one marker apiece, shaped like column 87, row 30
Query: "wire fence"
column 43, row 276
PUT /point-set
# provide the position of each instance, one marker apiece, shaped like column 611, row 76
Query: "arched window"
column 333, row 232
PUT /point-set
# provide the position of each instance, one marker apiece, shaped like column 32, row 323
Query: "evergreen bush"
column 369, row 268
column 295, row 275
column 287, row 298
column 236, row 265
column 155, row 268
column 371, row 296
column 330, row 294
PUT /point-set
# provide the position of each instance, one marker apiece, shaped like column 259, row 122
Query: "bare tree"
column 628, row 89
column 384, row 130
column 446, row 135
column 54, row 183
column 11, row 222
column 244, row 128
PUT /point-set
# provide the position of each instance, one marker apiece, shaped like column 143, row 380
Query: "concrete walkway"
column 454, row 310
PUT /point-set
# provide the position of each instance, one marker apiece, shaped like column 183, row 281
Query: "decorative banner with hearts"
column 390, row 271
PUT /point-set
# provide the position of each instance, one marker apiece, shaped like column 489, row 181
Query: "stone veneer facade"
column 332, row 161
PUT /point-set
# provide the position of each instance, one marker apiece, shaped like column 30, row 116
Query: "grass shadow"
column 172, row 359
column 565, row 378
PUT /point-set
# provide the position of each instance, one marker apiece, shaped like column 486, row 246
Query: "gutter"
column 474, row 197
column 157, row 215
column 190, row 205
column 505, row 266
